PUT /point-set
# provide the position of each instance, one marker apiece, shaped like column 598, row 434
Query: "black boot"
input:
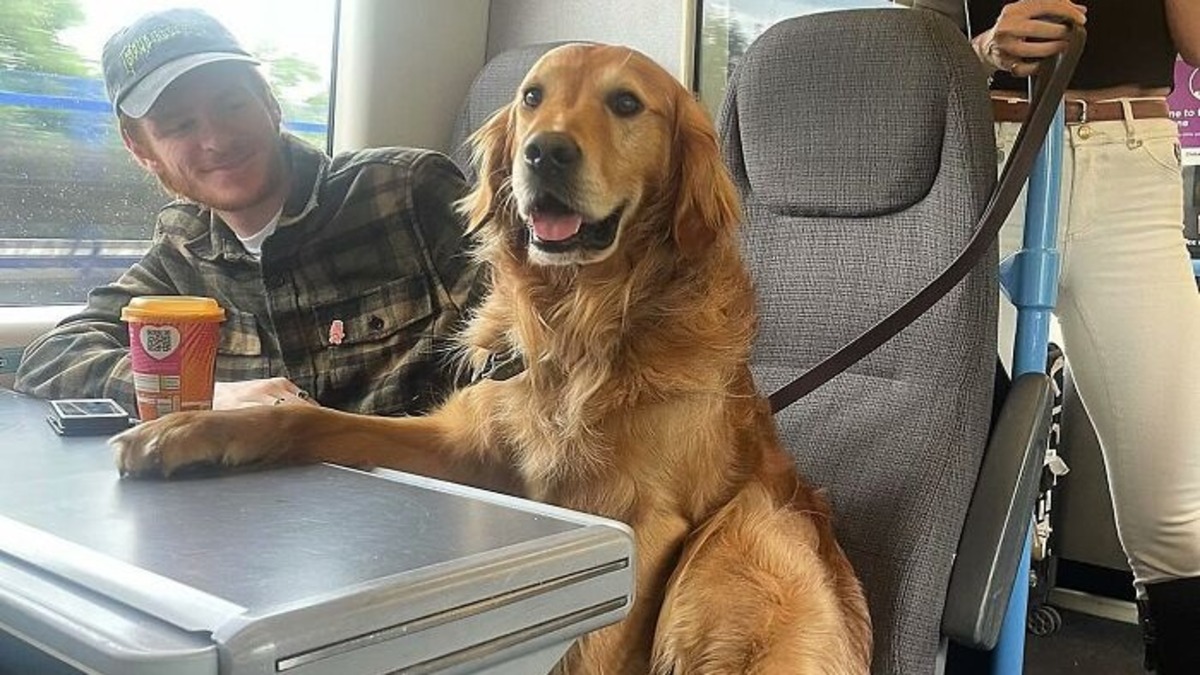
column 1170, row 618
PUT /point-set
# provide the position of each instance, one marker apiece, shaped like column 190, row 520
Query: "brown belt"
column 1077, row 112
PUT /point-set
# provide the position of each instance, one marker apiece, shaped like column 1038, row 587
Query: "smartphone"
column 87, row 417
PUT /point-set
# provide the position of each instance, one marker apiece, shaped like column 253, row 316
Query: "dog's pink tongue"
column 555, row 227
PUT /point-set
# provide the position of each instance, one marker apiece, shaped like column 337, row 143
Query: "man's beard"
column 180, row 186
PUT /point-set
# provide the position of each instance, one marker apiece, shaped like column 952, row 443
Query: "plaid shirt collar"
column 307, row 166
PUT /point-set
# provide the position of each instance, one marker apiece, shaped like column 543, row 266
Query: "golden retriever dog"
column 609, row 224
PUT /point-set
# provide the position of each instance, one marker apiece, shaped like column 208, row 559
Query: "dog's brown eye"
column 624, row 104
column 532, row 97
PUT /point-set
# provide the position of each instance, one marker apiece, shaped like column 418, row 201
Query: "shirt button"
column 375, row 323
column 1085, row 132
column 275, row 281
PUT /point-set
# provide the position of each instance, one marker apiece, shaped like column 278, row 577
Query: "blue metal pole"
column 1032, row 284
column 1038, row 262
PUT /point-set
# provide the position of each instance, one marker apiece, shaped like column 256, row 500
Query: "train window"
column 75, row 211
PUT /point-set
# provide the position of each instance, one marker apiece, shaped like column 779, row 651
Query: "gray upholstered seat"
column 494, row 86
column 861, row 143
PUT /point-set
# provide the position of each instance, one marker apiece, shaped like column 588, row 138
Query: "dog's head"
column 601, row 150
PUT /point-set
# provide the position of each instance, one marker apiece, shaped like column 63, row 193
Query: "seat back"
column 493, row 88
column 861, row 143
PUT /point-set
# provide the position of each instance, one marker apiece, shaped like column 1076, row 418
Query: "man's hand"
column 1026, row 32
column 273, row 391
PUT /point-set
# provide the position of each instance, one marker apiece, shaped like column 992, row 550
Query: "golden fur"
column 636, row 402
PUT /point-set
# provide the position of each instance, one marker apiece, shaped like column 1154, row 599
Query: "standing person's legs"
column 1130, row 316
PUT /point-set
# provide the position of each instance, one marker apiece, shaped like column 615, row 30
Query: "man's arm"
column 1183, row 16
column 87, row 355
column 437, row 187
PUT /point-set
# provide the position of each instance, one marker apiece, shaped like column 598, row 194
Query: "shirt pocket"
column 240, row 350
column 370, row 342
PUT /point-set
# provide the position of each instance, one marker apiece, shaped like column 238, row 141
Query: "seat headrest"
column 837, row 115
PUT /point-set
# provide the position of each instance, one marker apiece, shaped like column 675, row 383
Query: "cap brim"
column 142, row 96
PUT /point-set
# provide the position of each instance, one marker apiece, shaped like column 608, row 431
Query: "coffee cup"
column 173, row 345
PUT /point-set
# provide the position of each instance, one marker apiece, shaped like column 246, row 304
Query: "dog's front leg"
column 458, row 441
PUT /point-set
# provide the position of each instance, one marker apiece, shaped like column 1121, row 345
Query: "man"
column 340, row 278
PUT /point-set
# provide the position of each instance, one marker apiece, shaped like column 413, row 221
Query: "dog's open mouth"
column 556, row 227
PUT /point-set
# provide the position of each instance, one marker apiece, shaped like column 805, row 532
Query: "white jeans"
column 1129, row 313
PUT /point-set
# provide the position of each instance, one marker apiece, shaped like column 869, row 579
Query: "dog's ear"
column 706, row 202
column 492, row 156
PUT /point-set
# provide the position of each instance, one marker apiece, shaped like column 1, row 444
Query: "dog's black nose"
column 551, row 152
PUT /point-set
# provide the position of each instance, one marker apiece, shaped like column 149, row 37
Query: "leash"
column 1047, row 94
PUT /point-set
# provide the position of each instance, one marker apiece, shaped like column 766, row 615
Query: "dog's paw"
column 161, row 447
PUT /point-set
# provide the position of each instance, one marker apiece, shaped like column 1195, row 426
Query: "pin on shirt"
column 337, row 332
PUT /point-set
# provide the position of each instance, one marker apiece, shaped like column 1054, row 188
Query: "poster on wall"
column 1185, row 110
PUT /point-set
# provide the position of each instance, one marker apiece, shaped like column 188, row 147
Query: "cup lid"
column 172, row 308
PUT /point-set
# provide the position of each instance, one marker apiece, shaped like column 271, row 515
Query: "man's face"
column 213, row 139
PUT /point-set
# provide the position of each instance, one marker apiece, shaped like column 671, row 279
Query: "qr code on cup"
column 159, row 341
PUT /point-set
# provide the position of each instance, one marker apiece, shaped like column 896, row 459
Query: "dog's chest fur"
column 623, row 383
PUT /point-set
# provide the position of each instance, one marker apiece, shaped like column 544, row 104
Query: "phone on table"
column 87, row 417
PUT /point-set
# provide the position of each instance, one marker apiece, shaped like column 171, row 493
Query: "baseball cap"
column 144, row 58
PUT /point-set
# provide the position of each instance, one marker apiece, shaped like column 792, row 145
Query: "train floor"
column 1086, row 644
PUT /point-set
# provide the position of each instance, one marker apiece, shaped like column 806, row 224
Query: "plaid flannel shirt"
column 369, row 239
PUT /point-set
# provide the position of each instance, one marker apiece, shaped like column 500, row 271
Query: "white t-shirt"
column 254, row 242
